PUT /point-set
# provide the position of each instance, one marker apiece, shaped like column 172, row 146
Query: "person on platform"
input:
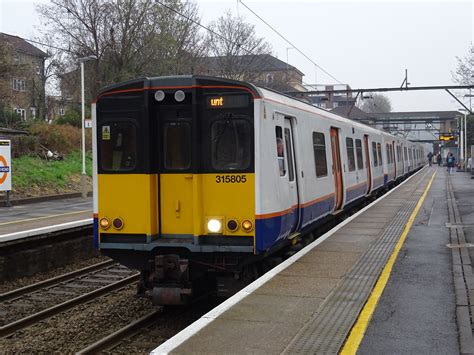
column 439, row 160
column 430, row 158
column 450, row 161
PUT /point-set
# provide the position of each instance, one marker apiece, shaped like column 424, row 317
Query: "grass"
column 30, row 172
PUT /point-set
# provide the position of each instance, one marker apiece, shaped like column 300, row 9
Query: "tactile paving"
column 328, row 329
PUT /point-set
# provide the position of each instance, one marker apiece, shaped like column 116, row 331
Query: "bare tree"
column 464, row 74
column 236, row 50
column 130, row 38
column 376, row 103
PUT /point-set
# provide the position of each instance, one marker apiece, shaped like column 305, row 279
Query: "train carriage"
column 197, row 176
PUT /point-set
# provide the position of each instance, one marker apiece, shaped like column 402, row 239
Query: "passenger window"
column 374, row 153
column 118, row 148
column 387, row 153
column 280, row 150
column 405, row 155
column 177, row 145
column 379, row 152
column 350, row 153
column 230, row 144
column 319, row 148
column 360, row 160
column 290, row 154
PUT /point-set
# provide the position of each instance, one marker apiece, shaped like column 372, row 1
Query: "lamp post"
column 463, row 135
column 83, row 174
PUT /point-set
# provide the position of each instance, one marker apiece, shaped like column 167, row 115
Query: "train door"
column 336, row 168
column 402, row 158
column 292, row 171
column 175, row 183
column 394, row 161
column 367, row 163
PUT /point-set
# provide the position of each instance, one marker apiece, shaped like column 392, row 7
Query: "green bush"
column 71, row 117
column 10, row 119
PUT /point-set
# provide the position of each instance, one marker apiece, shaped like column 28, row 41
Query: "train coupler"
column 170, row 280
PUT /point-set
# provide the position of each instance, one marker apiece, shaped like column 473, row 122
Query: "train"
column 199, row 181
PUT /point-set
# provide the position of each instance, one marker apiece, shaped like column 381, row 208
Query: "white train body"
column 353, row 160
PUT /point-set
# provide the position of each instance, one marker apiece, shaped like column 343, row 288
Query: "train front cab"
column 175, row 180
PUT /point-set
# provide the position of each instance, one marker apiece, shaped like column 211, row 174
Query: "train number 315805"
column 231, row 179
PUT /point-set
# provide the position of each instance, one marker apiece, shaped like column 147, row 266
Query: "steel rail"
column 46, row 313
column 53, row 281
column 117, row 337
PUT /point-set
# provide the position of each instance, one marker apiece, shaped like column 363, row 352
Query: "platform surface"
column 312, row 304
column 43, row 214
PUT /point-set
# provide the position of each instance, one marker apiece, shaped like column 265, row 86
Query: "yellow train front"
column 174, row 190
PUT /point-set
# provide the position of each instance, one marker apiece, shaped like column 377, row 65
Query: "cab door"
column 177, row 183
column 336, row 168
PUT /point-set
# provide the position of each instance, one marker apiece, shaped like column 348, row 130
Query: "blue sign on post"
column 5, row 165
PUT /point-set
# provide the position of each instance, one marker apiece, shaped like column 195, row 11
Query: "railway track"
column 31, row 304
column 146, row 333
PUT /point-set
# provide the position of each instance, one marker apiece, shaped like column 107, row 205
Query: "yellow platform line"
column 358, row 330
column 44, row 217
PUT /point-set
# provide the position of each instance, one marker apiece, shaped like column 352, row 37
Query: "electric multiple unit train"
column 197, row 175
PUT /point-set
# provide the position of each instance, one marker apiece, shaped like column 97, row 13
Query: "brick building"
column 22, row 87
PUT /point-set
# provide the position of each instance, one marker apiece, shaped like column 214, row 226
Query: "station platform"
column 394, row 278
column 31, row 219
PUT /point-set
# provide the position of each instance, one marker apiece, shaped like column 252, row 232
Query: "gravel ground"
column 170, row 323
column 6, row 286
column 77, row 328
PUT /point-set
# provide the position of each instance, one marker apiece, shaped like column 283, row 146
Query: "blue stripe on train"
column 269, row 230
column 95, row 238
column 354, row 193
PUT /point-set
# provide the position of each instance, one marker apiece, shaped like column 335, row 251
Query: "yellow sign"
column 217, row 102
column 446, row 138
column 105, row 133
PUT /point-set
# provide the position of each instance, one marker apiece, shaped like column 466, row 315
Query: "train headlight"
column 159, row 95
column 214, row 225
column 232, row 225
column 104, row 223
column 118, row 223
column 247, row 225
column 179, row 95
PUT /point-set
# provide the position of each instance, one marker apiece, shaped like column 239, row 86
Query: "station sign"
column 5, row 165
column 447, row 138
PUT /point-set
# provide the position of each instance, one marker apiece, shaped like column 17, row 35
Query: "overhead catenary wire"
column 289, row 42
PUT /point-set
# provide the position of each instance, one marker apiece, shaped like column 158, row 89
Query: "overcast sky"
column 363, row 43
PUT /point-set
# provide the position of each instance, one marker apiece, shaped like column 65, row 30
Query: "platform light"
column 214, row 225
column 104, row 223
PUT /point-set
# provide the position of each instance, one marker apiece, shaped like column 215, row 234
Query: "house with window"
column 262, row 70
column 22, row 85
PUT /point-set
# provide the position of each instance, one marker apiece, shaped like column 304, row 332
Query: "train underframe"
column 175, row 277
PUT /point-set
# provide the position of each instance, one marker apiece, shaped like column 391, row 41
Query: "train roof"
column 305, row 106
column 147, row 83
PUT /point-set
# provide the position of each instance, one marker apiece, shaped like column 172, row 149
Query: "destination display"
column 228, row 101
